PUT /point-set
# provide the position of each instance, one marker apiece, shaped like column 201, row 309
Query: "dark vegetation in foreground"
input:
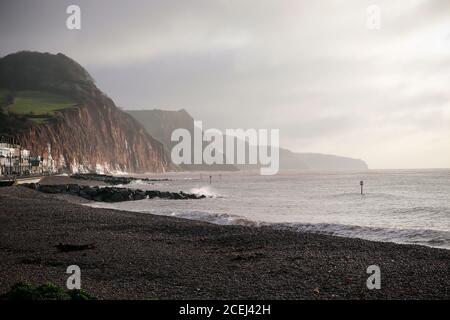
column 47, row 291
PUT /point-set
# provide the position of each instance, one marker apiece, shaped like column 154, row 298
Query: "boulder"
column 111, row 194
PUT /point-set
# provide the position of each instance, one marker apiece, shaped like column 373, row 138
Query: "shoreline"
column 244, row 221
column 144, row 256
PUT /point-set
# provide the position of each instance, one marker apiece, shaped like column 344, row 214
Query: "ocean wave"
column 428, row 237
column 135, row 184
column 139, row 182
column 216, row 218
column 206, row 191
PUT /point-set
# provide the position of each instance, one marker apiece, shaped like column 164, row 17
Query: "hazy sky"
column 310, row 68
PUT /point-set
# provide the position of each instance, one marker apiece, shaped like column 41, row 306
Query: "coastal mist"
column 402, row 206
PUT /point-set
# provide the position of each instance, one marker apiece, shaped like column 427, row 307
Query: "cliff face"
column 328, row 162
column 96, row 138
column 161, row 123
column 94, row 135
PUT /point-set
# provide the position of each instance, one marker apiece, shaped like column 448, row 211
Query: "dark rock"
column 52, row 188
column 73, row 189
column 112, row 194
column 176, row 196
column 33, row 186
column 116, row 197
column 152, row 194
column 139, row 195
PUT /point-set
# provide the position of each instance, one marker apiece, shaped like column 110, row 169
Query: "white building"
column 14, row 160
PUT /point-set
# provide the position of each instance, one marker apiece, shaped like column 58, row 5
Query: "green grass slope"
column 37, row 106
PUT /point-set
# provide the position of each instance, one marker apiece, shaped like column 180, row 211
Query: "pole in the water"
column 361, row 183
column 210, row 178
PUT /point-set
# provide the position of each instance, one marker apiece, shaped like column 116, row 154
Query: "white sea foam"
column 206, row 191
column 136, row 184
column 216, row 218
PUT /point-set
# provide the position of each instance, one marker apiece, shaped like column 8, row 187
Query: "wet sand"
column 143, row 256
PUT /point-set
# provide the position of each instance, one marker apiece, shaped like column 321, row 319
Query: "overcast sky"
column 310, row 68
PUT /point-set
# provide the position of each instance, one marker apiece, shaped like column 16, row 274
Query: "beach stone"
column 176, row 196
column 114, row 195
column 53, row 188
column 84, row 195
column 152, row 194
column 111, row 194
column 92, row 191
column 139, row 195
column 73, row 189
column 33, row 186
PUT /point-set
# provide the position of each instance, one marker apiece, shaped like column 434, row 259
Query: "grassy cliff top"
column 46, row 72
column 19, row 109
column 37, row 106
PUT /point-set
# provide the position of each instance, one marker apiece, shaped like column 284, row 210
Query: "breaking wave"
column 427, row 237
column 433, row 238
column 135, row 184
column 206, row 191
column 216, row 218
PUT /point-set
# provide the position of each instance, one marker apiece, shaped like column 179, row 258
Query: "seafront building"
column 17, row 161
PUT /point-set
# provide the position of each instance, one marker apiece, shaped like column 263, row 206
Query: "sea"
column 401, row 206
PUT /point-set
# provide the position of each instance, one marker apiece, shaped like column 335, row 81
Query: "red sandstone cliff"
column 93, row 135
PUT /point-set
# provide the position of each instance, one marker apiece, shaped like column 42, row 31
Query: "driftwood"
column 74, row 247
